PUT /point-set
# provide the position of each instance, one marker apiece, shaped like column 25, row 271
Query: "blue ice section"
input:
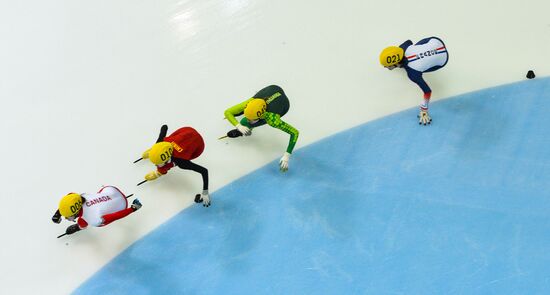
column 388, row 207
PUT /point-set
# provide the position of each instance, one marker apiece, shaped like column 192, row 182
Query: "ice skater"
column 178, row 149
column 427, row 55
column 99, row 209
column 265, row 107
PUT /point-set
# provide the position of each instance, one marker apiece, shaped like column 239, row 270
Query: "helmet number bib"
column 393, row 59
column 76, row 207
column 166, row 155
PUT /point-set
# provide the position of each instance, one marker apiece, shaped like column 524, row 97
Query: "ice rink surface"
column 384, row 208
column 85, row 86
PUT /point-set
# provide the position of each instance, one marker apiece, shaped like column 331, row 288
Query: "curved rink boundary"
column 388, row 207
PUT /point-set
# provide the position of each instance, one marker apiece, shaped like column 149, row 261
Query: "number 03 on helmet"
column 391, row 56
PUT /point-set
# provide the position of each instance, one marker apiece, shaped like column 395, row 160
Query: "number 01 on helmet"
column 161, row 153
column 391, row 56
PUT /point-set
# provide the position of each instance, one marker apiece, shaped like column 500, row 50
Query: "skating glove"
column 234, row 133
column 424, row 118
column 72, row 229
column 152, row 175
column 145, row 154
column 203, row 198
column 56, row 218
column 283, row 163
column 244, row 130
column 136, row 204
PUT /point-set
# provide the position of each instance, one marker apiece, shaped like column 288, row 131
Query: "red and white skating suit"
column 107, row 205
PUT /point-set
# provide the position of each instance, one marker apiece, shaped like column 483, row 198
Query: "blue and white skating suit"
column 427, row 55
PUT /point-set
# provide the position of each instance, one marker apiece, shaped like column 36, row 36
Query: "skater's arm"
column 274, row 120
column 245, row 122
column 108, row 218
column 417, row 78
column 82, row 223
column 164, row 169
column 161, row 170
column 188, row 165
column 235, row 110
column 406, row 44
column 162, row 134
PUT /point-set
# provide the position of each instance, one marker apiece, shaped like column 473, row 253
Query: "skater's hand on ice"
column 152, row 175
column 424, row 118
column 283, row 163
column 244, row 130
column 203, row 198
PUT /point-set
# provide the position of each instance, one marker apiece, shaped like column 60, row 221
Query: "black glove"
column 198, row 198
column 56, row 218
column 234, row 133
column 72, row 229
column 136, row 204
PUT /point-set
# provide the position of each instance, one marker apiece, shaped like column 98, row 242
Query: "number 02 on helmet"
column 391, row 56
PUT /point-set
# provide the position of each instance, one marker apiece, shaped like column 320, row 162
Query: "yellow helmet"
column 391, row 56
column 161, row 152
column 70, row 205
column 255, row 109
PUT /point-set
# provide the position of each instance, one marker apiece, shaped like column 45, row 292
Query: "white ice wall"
column 85, row 86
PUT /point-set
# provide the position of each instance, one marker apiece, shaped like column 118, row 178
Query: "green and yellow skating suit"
column 277, row 106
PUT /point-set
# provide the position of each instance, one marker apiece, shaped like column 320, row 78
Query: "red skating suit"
column 107, row 205
column 188, row 145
